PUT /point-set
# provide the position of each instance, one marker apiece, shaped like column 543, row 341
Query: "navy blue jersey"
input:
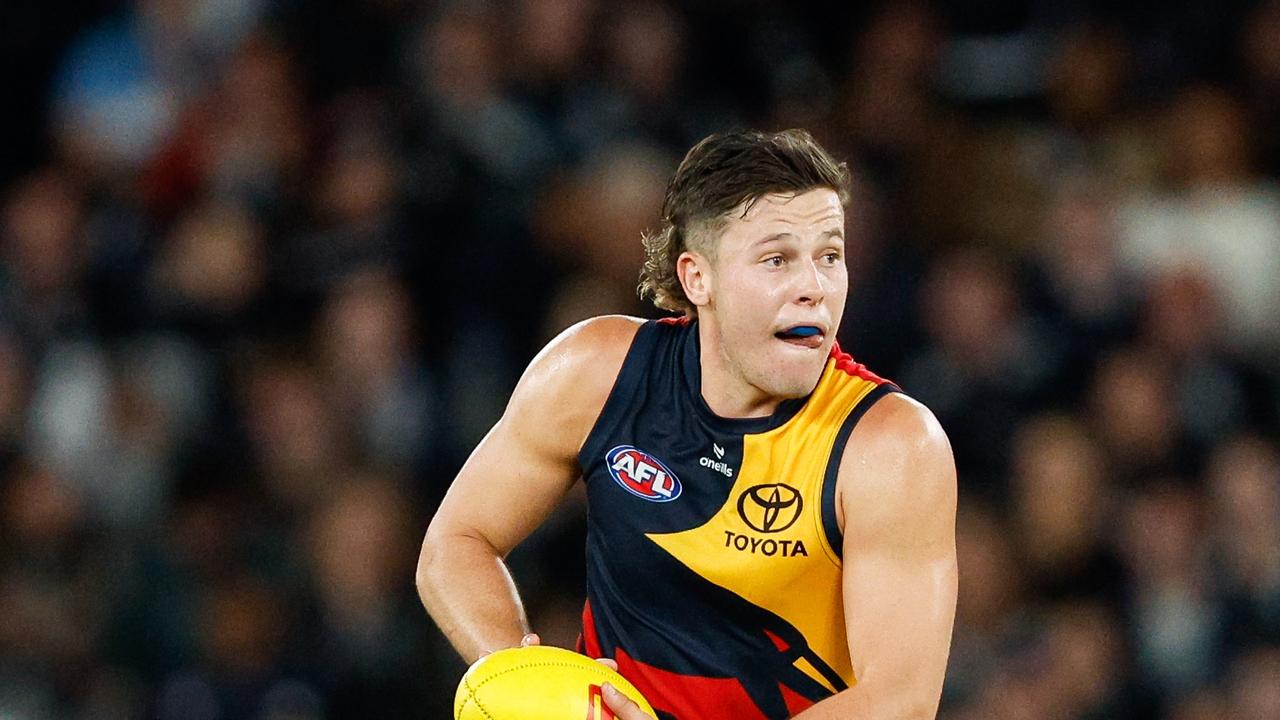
column 713, row 551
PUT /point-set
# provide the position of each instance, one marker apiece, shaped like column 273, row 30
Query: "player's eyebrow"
column 776, row 237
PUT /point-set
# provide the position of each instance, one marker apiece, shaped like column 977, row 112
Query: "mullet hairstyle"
column 721, row 173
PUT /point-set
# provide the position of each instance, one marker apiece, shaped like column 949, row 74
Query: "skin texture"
column 779, row 263
column 461, row 577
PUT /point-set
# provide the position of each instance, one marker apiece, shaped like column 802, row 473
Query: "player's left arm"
column 897, row 498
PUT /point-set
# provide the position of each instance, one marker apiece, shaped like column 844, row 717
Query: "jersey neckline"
column 692, row 365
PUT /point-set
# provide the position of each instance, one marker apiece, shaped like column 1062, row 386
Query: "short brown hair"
column 720, row 173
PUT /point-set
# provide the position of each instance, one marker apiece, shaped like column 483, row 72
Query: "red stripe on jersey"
column 682, row 320
column 777, row 642
column 795, row 702
column 588, row 641
column 845, row 362
column 688, row 696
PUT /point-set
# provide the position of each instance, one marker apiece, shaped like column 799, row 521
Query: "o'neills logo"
column 642, row 474
column 718, row 465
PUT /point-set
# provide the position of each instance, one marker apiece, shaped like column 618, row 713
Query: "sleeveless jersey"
column 713, row 550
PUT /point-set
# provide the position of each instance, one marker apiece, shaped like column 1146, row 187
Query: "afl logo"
column 642, row 474
column 770, row 508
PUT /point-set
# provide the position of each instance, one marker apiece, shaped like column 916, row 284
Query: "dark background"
column 269, row 269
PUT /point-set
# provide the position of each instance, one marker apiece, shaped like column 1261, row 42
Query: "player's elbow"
column 431, row 572
column 422, row 574
column 448, row 551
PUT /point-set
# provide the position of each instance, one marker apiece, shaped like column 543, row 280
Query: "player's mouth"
column 805, row 336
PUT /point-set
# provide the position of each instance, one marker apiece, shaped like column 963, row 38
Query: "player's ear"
column 693, row 270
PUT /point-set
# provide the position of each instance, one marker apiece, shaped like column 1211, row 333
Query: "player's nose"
column 811, row 284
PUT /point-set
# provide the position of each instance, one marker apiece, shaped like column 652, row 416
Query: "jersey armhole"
column 830, row 524
column 624, row 389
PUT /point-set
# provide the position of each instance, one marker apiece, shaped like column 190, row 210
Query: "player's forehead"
column 817, row 210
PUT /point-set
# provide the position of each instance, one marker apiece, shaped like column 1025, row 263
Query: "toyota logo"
column 770, row 508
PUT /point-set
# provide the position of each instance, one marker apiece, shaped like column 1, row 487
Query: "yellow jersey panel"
column 767, row 543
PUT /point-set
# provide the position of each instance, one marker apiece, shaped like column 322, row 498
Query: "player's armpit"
column 514, row 478
column 897, row 494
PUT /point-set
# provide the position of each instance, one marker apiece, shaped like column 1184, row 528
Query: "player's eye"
column 774, row 261
column 831, row 258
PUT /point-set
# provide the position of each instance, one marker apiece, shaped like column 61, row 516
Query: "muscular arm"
column 897, row 495
column 514, row 478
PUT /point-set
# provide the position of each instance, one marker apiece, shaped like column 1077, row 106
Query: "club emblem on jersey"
column 770, row 508
column 642, row 474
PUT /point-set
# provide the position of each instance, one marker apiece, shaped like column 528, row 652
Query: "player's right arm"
column 514, row 478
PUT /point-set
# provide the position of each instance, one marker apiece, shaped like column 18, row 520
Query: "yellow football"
column 538, row 683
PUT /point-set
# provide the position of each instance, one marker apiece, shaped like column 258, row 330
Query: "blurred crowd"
column 270, row 268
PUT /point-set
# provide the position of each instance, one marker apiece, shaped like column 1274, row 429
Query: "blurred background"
column 269, row 269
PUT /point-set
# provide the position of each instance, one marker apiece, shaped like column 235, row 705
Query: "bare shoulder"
column 898, row 463
column 596, row 338
column 899, row 425
column 565, row 386
column 586, row 354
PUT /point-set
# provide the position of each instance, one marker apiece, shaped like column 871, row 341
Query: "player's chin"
column 796, row 377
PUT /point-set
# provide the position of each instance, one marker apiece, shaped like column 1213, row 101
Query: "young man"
column 771, row 527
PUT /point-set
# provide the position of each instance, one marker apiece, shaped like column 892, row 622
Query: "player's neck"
column 725, row 391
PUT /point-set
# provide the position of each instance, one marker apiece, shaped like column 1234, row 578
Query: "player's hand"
column 533, row 639
column 622, row 706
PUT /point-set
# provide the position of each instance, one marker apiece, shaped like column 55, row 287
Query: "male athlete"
column 771, row 527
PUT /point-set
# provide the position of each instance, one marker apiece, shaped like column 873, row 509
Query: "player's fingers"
column 530, row 639
column 622, row 706
column 608, row 663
